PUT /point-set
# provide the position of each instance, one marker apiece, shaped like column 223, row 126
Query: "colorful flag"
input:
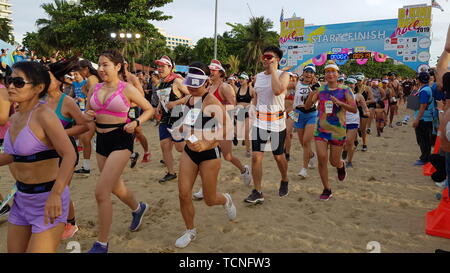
column 435, row 4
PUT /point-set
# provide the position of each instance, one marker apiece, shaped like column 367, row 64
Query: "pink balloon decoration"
column 320, row 59
column 379, row 57
column 361, row 61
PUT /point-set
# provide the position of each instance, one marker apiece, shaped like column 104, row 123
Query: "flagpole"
column 215, row 35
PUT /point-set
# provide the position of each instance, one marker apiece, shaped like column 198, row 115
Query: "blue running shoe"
column 98, row 248
column 137, row 216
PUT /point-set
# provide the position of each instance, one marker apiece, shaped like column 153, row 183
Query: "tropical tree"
column 183, row 54
column 6, row 30
column 234, row 63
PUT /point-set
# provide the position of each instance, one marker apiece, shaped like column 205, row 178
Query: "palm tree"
column 234, row 63
column 257, row 37
column 6, row 30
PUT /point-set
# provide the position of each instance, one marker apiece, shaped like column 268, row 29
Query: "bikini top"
column 196, row 118
column 217, row 95
column 290, row 95
column 247, row 98
column 66, row 122
column 116, row 105
column 27, row 147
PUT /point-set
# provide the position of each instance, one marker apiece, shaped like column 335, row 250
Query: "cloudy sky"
column 195, row 18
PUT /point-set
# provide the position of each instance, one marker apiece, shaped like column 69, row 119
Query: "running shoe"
column 69, row 231
column 229, row 207
column 134, row 158
column 5, row 211
column 326, row 195
column 137, row 216
column 162, row 162
column 303, row 173
column 344, row 155
column 235, row 141
column 98, row 248
column 369, row 130
column 284, row 189
column 168, row 177
column 420, row 163
column 255, row 197
column 246, row 176
column 82, row 170
column 341, row 173
column 198, row 195
column 349, row 165
column 146, row 158
column 364, row 148
column 188, row 236
column 288, row 157
column 312, row 162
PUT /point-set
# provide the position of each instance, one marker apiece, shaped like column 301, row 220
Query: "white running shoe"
column 229, row 207
column 312, row 162
column 303, row 173
column 247, row 176
column 198, row 195
column 188, row 236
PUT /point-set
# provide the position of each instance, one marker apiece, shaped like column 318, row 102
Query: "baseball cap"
column 341, row 78
column 165, row 60
column 216, row 65
column 310, row 67
column 359, row 77
column 195, row 78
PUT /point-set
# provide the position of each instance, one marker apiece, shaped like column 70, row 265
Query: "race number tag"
column 8, row 197
column 294, row 115
column 82, row 105
column 329, row 107
column 192, row 116
column 393, row 99
column 192, row 139
column 132, row 113
column 164, row 95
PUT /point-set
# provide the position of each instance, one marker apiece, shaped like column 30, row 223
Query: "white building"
column 173, row 41
column 5, row 9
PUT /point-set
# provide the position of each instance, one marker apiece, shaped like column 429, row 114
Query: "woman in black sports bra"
column 203, row 127
column 242, row 109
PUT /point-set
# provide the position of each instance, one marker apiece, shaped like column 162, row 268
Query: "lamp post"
column 127, row 36
column 215, row 35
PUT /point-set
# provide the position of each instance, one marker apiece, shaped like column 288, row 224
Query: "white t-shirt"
column 301, row 94
column 267, row 102
column 352, row 118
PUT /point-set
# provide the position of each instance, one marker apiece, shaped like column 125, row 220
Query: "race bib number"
column 294, row 115
column 329, row 107
column 132, row 113
column 8, row 197
column 301, row 96
column 82, row 105
column 164, row 96
column 192, row 139
column 192, row 116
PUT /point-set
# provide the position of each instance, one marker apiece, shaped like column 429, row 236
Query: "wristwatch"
column 138, row 122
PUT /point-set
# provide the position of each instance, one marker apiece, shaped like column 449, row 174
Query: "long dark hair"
column 117, row 58
column 36, row 73
column 63, row 67
column 92, row 70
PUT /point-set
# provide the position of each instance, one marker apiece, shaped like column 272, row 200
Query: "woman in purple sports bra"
column 109, row 102
column 33, row 145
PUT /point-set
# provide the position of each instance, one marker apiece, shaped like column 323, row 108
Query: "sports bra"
column 195, row 118
column 66, row 122
column 247, row 98
column 116, row 105
column 33, row 151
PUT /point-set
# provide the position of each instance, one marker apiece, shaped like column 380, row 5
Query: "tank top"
column 247, row 98
column 165, row 94
column 376, row 93
column 66, row 122
column 301, row 95
column 270, row 108
column 195, row 117
column 352, row 118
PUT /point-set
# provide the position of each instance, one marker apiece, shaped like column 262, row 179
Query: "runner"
column 367, row 94
column 134, row 114
column 109, row 103
column 380, row 117
column 378, row 95
column 71, row 118
column 397, row 87
column 353, row 123
column 90, row 73
column 41, row 203
column 392, row 99
column 270, row 122
column 201, row 154
column 334, row 101
column 6, row 110
column 306, row 119
column 243, row 105
column 170, row 89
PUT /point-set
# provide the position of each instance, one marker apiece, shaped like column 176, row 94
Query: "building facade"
column 5, row 9
column 173, row 41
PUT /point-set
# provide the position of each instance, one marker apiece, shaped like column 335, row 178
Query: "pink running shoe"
column 69, row 231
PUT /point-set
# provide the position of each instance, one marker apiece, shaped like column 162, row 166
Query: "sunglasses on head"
column 268, row 57
column 18, row 82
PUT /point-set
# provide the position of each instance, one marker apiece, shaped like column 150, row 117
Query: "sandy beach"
column 384, row 199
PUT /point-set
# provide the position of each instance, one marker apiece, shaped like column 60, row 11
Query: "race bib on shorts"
column 132, row 113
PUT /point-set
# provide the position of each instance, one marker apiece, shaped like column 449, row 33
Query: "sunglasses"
column 18, row 82
column 268, row 57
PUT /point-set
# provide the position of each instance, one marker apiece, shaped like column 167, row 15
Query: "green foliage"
column 183, row 55
column 85, row 29
column 6, row 30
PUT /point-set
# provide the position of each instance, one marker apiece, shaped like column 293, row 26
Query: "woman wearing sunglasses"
column 334, row 100
column 70, row 117
column 41, row 203
column 204, row 126
column 109, row 103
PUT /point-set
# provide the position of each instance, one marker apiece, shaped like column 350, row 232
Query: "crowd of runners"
column 51, row 111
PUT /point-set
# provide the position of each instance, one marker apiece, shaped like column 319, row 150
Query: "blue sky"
column 195, row 18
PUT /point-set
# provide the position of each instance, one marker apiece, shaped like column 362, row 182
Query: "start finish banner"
column 406, row 40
